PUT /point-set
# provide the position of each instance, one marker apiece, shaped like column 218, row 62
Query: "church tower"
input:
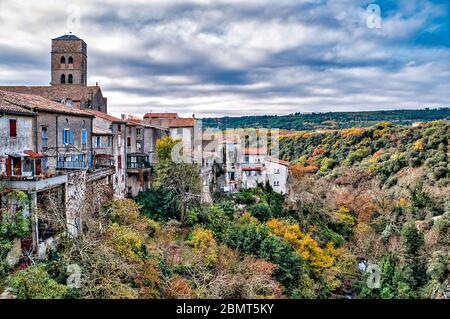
column 69, row 61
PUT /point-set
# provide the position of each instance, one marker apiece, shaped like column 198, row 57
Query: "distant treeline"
column 313, row 121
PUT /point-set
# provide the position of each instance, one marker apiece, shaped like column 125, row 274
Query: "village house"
column 46, row 152
column 109, row 143
column 141, row 140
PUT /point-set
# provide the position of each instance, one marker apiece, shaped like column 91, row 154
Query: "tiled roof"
column 134, row 122
column 57, row 93
column 100, row 131
column 105, row 116
column 7, row 107
column 182, row 122
column 161, row 115
column 255, row 151
column 253, row 167
column 277, row 161
column 38, row 103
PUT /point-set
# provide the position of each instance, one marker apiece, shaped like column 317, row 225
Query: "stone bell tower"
column 68, row 61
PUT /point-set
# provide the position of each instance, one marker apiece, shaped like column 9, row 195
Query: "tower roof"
column 67, row 37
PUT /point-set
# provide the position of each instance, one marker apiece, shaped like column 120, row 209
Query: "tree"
column 181, row 178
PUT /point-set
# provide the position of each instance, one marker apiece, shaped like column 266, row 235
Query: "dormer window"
column 69, row 103
column 70, row 60
column 70, row 80
column 63, row 78
column 63, row 60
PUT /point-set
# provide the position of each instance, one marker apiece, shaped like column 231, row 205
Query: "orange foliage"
column 178, row 288
column 318, row 151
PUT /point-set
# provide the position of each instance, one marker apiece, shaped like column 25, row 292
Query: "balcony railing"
column 72, row 165
column 140, row 165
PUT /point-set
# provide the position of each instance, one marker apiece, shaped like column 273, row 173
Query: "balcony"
column 73, row 162
column 72, row 165
column 137, row 162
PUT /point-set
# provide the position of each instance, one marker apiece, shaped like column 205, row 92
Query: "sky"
column 229, row 58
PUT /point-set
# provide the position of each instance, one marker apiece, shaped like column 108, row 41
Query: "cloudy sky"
column 215, row 58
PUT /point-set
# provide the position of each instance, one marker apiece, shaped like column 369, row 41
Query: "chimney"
column 123, row 116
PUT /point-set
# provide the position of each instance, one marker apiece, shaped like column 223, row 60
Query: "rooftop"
column 38, row 103
column 106, row 116
column 255, row 151
column 161, row 115
column 277, row 161
column 67, row 37
column 58, row 92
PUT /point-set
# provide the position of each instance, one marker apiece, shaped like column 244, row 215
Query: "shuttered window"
column 12, row 128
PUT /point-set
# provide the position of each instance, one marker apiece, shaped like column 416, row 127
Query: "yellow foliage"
column 127, row 242
column 345, row 217
column 204, row 243
column 418, row 145
column 318, row 258
column 353, row 131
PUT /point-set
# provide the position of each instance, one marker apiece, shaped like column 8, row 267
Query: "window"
column 70, row 80
column 67, row 136
column 110, row 140
column 276, row 171
column 119, row 162
column 69, row 102
column 63, row 78
column 276, row 183
column 44, row 137
column 84, row 138
column 129, row 130
column 129, row 141
column 139, row 145
column 179, row 131
column 63, row 60
column 12, row 128
column 70, row 60
column 120, row 128
column 138, row 131
column 98, row 141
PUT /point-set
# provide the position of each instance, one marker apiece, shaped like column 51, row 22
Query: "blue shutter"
column 83, row 136
column 63, row 137
column 71, row 137
column 89, row 156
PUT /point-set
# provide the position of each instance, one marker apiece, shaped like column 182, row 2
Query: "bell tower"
column 68, row 61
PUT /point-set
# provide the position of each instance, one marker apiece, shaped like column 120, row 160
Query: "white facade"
column 277, row 174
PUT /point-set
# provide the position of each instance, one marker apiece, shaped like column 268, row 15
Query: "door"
column 38, row 166
column 17, row 163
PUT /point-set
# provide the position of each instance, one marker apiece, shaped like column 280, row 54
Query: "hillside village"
column 60, row 141
column 161, row 207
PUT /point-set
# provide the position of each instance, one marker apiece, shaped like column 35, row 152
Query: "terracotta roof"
column 7, row 107
column 133, row 122
column 38, row 103
column 99, row 131
column 256, row 167
column 57, row 93
column 277, row 161
column 33, row 154
column 255, row 151
column 182, row 122
column 161, row 115
column 105, row 116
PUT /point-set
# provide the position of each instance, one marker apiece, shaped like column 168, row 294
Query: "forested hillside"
column 329, row 120
column 367, row 216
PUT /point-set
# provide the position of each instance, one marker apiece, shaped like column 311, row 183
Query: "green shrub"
column 35, row 283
